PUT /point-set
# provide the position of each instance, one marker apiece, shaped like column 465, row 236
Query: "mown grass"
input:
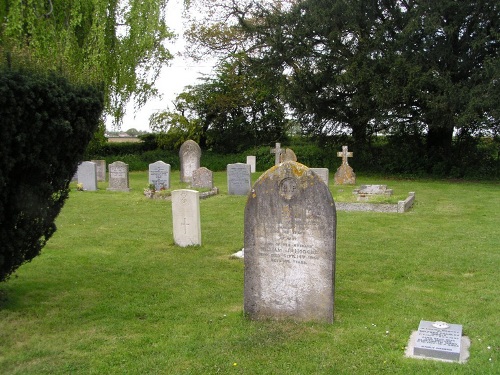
column 112, row 294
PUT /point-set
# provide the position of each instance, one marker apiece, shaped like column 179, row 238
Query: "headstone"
column 239, row 180
column 203, row 178
column 290, row 226
column 344, row 175
column 189, row 154
column 186, row 217
column 323, row 173
column 87, row 175
column 159, row 175
column 438, row 340
column 277, row 153
column 101, row 169
column 288, row 155
column 252, row 161
column 118, row 176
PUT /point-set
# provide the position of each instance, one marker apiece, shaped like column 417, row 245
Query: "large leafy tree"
column 119, row 43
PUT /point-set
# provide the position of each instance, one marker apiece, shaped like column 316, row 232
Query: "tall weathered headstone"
column 239, row 181
column 101, row 169
column 277, row 151
column 203, row 178
column 323, row 173
column 189, row 154
column 118, row 176
column 87, row 175
column 344, row 175
column 186, row 217
column 252, row 161
column 159, row 175
column 290, row 226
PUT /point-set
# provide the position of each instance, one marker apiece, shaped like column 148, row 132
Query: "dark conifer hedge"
column 45, row 125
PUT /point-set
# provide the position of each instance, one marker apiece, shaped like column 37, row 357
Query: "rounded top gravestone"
column 189, row 154
column 290, row 223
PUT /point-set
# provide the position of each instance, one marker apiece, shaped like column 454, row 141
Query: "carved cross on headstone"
column 185, row 225
column 277, row 151
column 344, row 155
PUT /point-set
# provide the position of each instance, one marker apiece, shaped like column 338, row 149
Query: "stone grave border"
column 400, row 207
column 203, row 195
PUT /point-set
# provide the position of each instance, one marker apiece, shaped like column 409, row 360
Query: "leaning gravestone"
column 344, row 175
column 87, row 175
column 189, row 154
column 290, row 224
column 239, row 180
column 252, row 161
column 186, row 217
column 101, row 169
column 118, row 176
column 159, row 175
column 203, row 178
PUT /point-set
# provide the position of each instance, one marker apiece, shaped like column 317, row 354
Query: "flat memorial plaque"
column 438, row 340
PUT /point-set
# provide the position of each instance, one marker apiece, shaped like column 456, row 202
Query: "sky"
column 173, row 78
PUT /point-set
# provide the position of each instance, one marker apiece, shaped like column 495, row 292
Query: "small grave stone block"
column 203, row 178
column 239, row 180
column 186, row 217
column 159, row 175
column 87, row 175
column 118, row 176
column 438, row 340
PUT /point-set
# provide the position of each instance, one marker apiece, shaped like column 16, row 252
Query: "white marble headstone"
column 186, row 217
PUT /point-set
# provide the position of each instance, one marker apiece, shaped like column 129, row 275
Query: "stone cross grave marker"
column 186, row 217
column 203, row 178
column 101, row 169
column 345, row 175
column 252, row 161
column 87, row 175
column 277, row 151
column 118, row 176
column 290, row 226
column 239, row 180
column 159, row 175
column 189, row 154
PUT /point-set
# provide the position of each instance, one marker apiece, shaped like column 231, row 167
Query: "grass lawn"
column 112, row 294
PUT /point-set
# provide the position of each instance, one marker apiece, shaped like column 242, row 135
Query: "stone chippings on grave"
column 87, row 175
column 118, row 176
column 186, row 217
column 101, row 169
column 203, row 178
column 189, row 154
column 252, row 161
column 366, row 191
column 159, row 175
column 344, row 174
column 290, row 236
column 239, row 180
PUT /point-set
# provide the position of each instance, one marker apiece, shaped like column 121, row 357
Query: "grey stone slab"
column 186, row 217
column 87, row 175
column 159, row 175
column 118, row 177
column 290, row 237
column 239, row 181
column 323, row 173
column 101, row 169
column 203, row 178
column 189, row 154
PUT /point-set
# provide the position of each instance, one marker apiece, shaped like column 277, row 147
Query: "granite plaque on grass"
column 290, row 224
column 438, row 340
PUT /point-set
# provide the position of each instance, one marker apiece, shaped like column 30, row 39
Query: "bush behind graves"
column 46, row 124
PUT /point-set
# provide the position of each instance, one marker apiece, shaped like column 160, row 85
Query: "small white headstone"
column 87, row 175
column 186, row 217
column 239, row 180
column 159, row 175
column 252, row 161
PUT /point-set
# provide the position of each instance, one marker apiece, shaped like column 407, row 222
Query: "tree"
column 119, row 43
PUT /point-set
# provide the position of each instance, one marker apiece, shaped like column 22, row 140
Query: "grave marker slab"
column 290, row 224
column 239, row 181
column 203, row 178
column 186, row 217
column 101, row 169
column 159, row 175
column 323, row 173
column 118, row 176
column 288, row 155
column 189, row 154
column 252, row 161
column 87, row 175
column 438, row 340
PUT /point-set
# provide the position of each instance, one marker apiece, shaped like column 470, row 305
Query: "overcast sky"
column 173, row 78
